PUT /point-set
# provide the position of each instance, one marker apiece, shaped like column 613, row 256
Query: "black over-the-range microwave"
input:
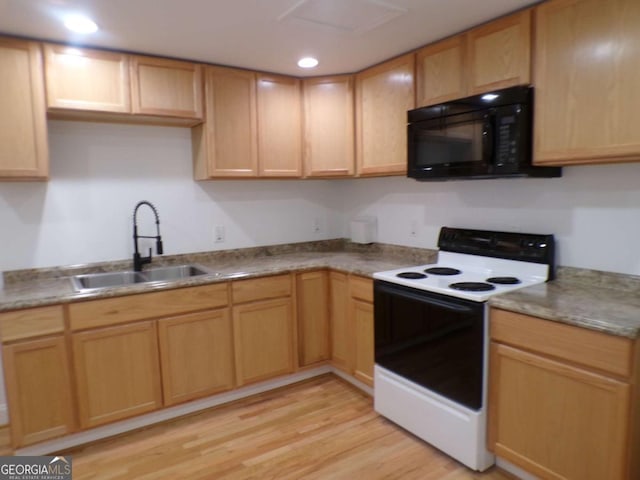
column 484, row 136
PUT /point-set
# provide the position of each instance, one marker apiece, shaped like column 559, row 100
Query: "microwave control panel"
column 507, row 137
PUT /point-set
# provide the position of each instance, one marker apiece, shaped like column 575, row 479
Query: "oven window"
column 433, row 340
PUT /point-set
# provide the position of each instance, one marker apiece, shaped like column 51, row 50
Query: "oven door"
column 433, row 340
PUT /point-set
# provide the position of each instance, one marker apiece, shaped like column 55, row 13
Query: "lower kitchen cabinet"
column 263, row 333
column 117, row 372
column 196, row 355
column 312, row 297
column 339, row 313
column 100, row 361
column 560, row 402
column 38, row 390
column 351, row 302
column 361, row 318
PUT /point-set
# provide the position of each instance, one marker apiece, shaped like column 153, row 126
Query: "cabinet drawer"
column 586, row 347
column 32, row 322
column 261, row 288
column 113, row 311
column 361, row 288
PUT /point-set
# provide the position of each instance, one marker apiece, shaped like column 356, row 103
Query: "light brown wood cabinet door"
column 263, row 334
column 586, row 75
column 196, row 355
column 226, row 145
column 341, row 333
column 38, row 390
column 440, row 72
column 556, row 420
column 279, row 126
column 163, row 87
column 499, row 54
column 117, row 373
column 384, row 93
column 86, row 79
column 24, row 153
column 361, row 314
column 313, row 317
column 329, row 124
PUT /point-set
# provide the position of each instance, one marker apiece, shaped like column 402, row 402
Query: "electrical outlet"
column 218, row 233
column 413, row 229
column 316, row 225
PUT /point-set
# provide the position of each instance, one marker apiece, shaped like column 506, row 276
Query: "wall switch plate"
column 218, row 233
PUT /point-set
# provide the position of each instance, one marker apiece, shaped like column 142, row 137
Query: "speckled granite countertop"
column 31, row 288
column 600, row 301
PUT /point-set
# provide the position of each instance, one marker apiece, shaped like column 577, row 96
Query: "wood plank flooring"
column 322, row 428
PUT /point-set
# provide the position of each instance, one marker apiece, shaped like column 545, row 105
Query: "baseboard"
column 513, row 470
column 353, row 381
column 99, row 433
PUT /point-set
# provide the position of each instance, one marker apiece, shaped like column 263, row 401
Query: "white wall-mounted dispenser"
column 364, row 229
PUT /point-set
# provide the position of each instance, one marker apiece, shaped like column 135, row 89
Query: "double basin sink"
column 95, row 282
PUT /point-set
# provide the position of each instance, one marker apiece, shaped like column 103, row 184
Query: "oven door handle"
column 425, row 298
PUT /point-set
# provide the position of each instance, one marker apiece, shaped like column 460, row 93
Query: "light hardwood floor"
column 322, row 428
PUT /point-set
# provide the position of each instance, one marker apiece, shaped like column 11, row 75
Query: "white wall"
column 100, row 171
column 594, row 211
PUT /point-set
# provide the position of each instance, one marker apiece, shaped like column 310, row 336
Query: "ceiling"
column 269, row 35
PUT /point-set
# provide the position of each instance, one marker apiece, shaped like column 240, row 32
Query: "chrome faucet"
column 139, row 261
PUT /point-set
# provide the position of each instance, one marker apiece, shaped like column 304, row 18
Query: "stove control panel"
column 525, row 247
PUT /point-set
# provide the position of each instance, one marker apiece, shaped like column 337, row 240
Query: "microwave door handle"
column 488, row 136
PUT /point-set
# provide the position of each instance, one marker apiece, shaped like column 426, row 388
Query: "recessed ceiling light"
column 80, row 24
column 307, row 62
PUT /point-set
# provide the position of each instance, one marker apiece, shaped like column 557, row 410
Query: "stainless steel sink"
column 177, row 272
column 99, row 281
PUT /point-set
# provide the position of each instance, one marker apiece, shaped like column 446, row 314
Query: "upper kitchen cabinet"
column 440, row 72
column 499, row 54
column 279, row 126
column 24, row 153
column 491, row 56
column 329, row 149
column 226, row 145
column 168, row 88
column 587, row 72
column 384, row 93
column 86, row 80
column 97, row 84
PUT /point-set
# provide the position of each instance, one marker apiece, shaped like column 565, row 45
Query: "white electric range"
column 431, row 334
